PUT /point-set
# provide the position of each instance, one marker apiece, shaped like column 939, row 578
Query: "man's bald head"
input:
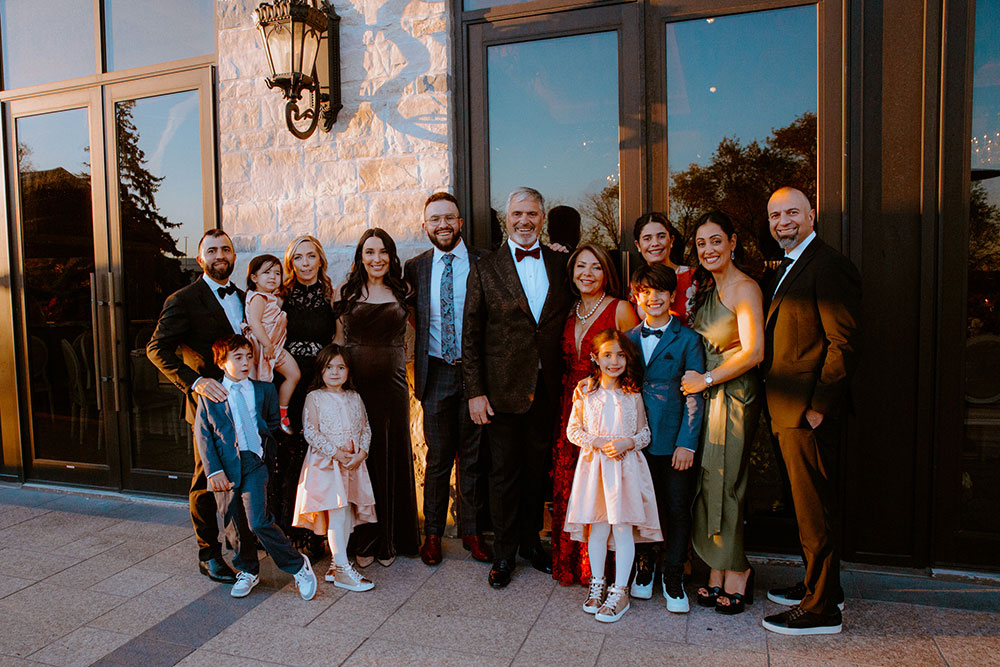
column 790, row 217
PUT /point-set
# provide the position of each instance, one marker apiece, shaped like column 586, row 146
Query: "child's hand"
column 617, row 448
column 353, row 449
column 683, row 458
column 342, row 457
column 268, row 350
column 693, row 382
column 220, row 482
column 356, row 459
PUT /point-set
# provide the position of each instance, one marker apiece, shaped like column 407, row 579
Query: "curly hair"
column 629, row 380
column 357, row 278
column 290, row 279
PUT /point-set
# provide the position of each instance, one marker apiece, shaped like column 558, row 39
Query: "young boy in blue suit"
column 232, row 437
column 667, row 349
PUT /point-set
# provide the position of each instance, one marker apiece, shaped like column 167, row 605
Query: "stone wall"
column 390, row 148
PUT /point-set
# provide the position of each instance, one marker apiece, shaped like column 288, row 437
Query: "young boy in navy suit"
column 668, row 349
column 232, row 436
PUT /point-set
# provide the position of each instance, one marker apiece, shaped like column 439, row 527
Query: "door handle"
column 98, row 378
column 113, row 313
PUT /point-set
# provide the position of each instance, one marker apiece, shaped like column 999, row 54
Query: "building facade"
column 141, row 124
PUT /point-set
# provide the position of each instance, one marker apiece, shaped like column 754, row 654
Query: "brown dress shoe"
column 477, row 548
column 430, row 553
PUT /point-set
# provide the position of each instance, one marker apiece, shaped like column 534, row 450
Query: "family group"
column 633, row 410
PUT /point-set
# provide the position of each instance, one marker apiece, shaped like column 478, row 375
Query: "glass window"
column 981, row 447
column 46, row 42
column 144, row 32
column 553, row 126
column 741, row 116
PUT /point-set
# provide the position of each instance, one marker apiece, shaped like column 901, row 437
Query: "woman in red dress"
column 597, row 308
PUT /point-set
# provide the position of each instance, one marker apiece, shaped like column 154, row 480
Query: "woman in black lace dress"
column 373, row 314
column 307, row 293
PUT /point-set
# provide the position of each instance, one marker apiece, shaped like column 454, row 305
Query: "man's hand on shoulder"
column 210, row 389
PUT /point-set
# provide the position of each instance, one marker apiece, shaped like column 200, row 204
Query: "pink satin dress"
column 275, row 323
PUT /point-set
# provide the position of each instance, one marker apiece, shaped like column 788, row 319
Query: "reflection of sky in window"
column 30, row 53
column 147, row 32
column 53, row 140
column 553, row 117
column 169, row 134
column 737, row 76
column 986, row 94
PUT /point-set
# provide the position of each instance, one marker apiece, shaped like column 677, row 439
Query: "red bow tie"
column 520, row 254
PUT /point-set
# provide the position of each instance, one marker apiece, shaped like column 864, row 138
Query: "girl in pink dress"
column 612, row 494
column 335, row 492
column 267, row 324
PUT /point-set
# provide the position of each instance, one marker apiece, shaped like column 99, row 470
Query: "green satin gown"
column 732, row 411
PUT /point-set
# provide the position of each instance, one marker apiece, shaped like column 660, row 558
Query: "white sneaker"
column 677, row 605
column 306, row 580
column 244, row 584
column 595, row 596
column 346, row 577
column 615, row 605
column 643, row 591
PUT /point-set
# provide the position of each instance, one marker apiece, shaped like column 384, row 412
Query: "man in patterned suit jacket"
column 439, row 277
column 515, row 310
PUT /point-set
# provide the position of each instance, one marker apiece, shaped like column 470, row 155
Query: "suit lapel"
column 551, row 260
column 212, row 304
column 793, row 273
column 669, row 334
column 508, row 273
column 424, row 267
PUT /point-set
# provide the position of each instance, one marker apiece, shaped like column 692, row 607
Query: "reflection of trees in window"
column 152, row 260
column 984, row 262
column 740, row 179
column 602, row 209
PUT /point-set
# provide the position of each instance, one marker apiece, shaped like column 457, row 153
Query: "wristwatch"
column 708, row 379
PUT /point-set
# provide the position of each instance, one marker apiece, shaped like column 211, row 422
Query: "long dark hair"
column 325, row 356
column 603, row 257
column 357, row 278
column 258, row 264
column 629, row 380
column 676, row 255
column 703, row 280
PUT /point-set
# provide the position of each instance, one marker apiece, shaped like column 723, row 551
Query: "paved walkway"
column 112, row 581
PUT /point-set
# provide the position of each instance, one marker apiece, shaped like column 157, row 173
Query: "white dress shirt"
column 460, row 275
column 794, row 255
column 231, row 304
column 534, row 279
column 649, row 343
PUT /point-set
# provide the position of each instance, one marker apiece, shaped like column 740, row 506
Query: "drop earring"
column 732, row 255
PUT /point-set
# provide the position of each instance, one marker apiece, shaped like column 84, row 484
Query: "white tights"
column 339, row 531
column 597, row 549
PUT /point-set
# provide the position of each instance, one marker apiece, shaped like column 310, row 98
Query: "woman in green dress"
column 728, row 313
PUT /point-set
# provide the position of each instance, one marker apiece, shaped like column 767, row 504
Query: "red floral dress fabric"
column 570, row 564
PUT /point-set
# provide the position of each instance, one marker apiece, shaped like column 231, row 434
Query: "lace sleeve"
column 318, row 442
column 642, row 434
column 365, row 428
column 576, row 428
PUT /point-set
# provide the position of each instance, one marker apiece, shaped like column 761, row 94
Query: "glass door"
column 161, row 192
column 61, row 260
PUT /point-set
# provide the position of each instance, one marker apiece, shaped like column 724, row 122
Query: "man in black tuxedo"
column 811, row 339
column 515, row 310
column 438, row 277
column 192, row 319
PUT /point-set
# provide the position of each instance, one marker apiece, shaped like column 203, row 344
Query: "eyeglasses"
column 436, row 220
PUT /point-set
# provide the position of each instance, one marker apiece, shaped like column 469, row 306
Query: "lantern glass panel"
column 279, row 44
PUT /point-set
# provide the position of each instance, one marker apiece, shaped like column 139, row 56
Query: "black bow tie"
column 520, row 254
column 224, row 291
column 646, row 332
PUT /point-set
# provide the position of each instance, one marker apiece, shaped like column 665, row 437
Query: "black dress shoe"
column 539, row 560
column 500, row 573
column 216, row 569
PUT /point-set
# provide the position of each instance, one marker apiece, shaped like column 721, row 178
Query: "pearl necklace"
column 592, row 310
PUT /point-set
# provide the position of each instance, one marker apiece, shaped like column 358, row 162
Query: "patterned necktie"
column 449, row 346
column 782, row 268
column 251, row 438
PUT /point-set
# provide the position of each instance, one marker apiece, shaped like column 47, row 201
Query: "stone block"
column 236, row 115
column 296, row 216
column 236, row 193
column 235, row 167
column 436, row 171
column 275, row 173
column 341, row 230
column 252, row 218
column 335, row 178
column 234, row 13
column 398, row 213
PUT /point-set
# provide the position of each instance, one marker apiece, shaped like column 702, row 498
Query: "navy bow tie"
column 646, row 332
column 224, row 291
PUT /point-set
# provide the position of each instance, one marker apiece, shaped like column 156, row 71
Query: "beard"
column 455, row 238
column 219, row 273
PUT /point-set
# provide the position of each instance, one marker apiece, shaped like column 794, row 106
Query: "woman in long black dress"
column 308, row 296
column 372, row 315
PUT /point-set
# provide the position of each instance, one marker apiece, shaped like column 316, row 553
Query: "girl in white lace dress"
column 335, row 492
column 612, row 497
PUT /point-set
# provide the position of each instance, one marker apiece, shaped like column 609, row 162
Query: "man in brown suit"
column 811, row 339
column 515, row 310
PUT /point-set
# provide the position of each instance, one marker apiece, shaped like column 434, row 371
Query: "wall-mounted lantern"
column 302, row 43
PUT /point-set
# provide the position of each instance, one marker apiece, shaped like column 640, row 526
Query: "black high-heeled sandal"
column 738, row 602
column 709, row 600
